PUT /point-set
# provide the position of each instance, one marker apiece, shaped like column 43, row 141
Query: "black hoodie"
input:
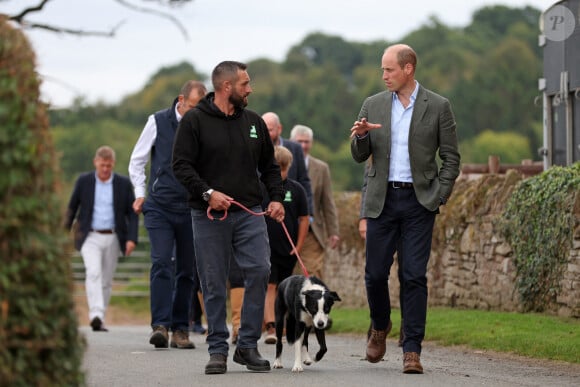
column 227, row 153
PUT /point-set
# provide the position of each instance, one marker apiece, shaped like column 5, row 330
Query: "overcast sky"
column 107, row 69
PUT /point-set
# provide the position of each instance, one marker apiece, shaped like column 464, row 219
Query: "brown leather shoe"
column 412, row 363
column 377, row 344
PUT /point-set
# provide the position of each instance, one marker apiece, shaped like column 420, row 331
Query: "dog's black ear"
column 335, row 296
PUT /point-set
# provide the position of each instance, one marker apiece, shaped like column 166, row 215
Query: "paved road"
column 123, row 357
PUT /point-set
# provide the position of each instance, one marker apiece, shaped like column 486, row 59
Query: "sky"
column 108, row 69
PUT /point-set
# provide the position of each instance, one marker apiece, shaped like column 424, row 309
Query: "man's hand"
column 276, row 211
column 362, row 228
column 362, row 127
column 129, row 247
column 138, row 205
column 333, row 241
column 219, row 201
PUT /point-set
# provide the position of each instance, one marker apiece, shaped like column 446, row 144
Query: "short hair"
column 226, row 71
column 301, row 129
column 283, row 157
column 274, row 116
column 407, row 55
column 191, row 85
column 105, row 152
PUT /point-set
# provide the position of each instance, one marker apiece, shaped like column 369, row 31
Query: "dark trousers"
column 173, row 273
column 405, row 226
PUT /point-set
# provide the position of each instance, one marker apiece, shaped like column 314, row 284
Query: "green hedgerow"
column 539, row 223
column 39, row 339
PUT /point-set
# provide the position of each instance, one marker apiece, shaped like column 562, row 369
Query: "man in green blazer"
column 323, row 232
column 404, row 129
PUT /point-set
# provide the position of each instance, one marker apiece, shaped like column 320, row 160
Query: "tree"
column 22, row 18
column 511, row 147
column 39, row 341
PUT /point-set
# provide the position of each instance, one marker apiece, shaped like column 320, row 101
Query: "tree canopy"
column 488, row 70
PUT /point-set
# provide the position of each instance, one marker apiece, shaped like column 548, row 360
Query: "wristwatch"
column 207, row 194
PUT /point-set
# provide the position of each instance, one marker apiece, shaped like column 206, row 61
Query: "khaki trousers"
column 312, row 256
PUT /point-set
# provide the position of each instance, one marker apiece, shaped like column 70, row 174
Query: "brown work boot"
column 270, row 333
column 377, row 344
column 159, row 337
column 180, row 339
column 412, row 363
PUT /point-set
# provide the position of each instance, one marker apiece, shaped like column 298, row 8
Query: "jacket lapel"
column 419, row 110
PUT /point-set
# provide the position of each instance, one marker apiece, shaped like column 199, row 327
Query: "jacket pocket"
column 430, row 174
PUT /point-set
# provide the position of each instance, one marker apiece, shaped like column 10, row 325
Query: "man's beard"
column 238, row 101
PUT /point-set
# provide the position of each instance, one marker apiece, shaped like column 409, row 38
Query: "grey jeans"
column 245, row 237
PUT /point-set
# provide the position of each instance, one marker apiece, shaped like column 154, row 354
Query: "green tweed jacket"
column 432, row 135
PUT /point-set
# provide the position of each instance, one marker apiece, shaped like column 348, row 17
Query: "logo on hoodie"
column 288, row 196
column 253, row 132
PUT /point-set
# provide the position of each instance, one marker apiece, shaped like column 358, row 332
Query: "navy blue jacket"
column 164, row 189
column 83, row 200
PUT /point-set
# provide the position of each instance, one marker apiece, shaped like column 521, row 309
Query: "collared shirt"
column 400, row 163
column 103, row 210
column 141, row 153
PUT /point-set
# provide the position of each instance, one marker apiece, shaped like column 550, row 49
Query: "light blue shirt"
column 400, row 163
column 103, row 209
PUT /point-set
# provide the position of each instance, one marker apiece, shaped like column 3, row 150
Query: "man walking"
column 106, row 228
column 220, row 154
column 404, row 129
column 168, row 222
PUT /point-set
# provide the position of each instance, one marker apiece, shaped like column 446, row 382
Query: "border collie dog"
column 303, row 303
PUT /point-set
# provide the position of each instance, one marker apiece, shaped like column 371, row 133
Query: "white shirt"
column 400, row 163
column 141, row 153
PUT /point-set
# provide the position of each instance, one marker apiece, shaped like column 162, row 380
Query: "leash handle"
column 211, row 217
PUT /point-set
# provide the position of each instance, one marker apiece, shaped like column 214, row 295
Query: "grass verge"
column 532, row 335
column 527, row 334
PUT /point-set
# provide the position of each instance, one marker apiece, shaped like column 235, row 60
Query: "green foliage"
column 81, row 140
column 157, row 94
column 510, row 147
column 488, row 70
column 538, row 223
column 39, row 340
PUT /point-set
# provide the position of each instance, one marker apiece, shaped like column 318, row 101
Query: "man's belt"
column 400, row 184
column 105, row 231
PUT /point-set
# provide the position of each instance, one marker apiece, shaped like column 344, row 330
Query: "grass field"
column 527, row 334
column 532, row 335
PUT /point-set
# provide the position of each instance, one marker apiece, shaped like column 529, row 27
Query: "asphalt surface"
column 124, row 357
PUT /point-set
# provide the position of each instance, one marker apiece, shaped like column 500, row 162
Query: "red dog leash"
column 211, row 217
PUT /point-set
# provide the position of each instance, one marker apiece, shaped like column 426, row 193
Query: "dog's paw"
column 297, row 368
column 277, row 364
column 305, row 356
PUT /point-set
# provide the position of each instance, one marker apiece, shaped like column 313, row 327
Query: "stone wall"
column 471, row 264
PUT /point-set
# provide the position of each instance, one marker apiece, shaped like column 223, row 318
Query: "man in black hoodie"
column 221, row 151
